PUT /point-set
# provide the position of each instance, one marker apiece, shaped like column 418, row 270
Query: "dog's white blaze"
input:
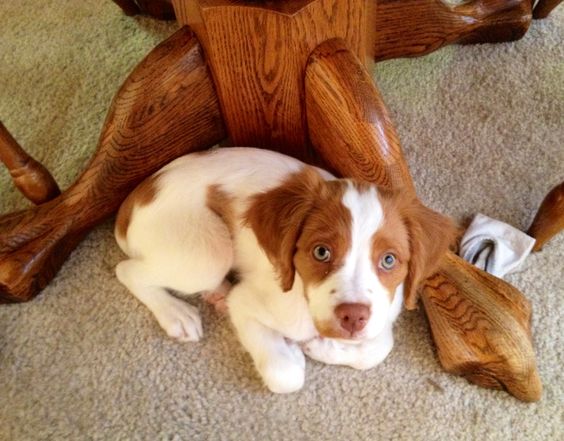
column 358, row 271
column 367, row 216
column 356, row 281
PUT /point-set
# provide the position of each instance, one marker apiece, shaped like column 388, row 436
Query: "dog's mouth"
column 330, row 329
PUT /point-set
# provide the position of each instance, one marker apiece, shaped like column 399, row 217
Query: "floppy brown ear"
column 277, row 218
column 430, row 236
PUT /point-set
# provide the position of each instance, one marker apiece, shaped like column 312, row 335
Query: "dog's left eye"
column 388, row 261
column 322, row 253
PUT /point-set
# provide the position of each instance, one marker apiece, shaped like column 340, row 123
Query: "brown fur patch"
column 221, row 203
column 277, row 217
column 329, row 224
column 429, row 236
column 392, row 237
column 381, row 246
column 142, row 195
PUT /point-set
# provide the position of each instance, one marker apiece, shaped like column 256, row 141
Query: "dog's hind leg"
column 177, row 253
column 179, row 319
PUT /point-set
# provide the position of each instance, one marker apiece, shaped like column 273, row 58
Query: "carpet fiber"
column 482, row 128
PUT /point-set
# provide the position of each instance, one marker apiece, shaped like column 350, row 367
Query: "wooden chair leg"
column 29, row 176
column 544, row 7
column 167, row 107
column 480, row 324
column 549, row 220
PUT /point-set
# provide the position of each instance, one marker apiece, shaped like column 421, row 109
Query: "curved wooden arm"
column 29, row 176
column 348, row 122
column 167, row 107
column 488, row 341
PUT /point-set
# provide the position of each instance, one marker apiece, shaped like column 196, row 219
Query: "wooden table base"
column 291, row 76
column 167, row 107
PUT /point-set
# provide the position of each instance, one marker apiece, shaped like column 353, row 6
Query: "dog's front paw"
column 323, row 350
column 180, row 320
column 282, row 377
column 296, row 353
column 362, row 356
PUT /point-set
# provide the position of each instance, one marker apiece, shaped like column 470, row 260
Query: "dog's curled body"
column 322, row 263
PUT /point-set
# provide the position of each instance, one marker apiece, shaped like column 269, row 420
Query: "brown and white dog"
column 324, row 264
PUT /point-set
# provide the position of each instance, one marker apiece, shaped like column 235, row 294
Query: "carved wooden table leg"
column 544, row 7
column 409, row 28
column 481, row 327
column 549, row 220
column 165, row 108
column 129, row 7
column 29, row 176
column 480, row 324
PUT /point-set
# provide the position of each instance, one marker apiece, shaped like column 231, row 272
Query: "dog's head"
column 354, row 245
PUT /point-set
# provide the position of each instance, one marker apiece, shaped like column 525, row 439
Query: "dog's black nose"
column 352, row 316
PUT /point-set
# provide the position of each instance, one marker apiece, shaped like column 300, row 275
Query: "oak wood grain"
column 29, row 176
column 166, row 107
column 258, row 53
column 407, row 28
column 348, row 122
column 549, row 220
column 481, row 327
column 351, row 129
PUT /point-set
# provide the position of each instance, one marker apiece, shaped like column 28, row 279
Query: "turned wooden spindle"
column 29, row 176
column 166, row 107
column 549, row 220
column 480, row 324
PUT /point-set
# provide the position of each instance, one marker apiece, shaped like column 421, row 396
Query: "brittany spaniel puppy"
column 323, row 264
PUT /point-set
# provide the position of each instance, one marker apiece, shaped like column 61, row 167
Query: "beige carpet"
column 482, row 127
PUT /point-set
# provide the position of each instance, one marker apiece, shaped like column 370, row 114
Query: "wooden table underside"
column 267, row 74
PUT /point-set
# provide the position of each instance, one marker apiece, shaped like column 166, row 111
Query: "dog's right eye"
column 322, row 253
